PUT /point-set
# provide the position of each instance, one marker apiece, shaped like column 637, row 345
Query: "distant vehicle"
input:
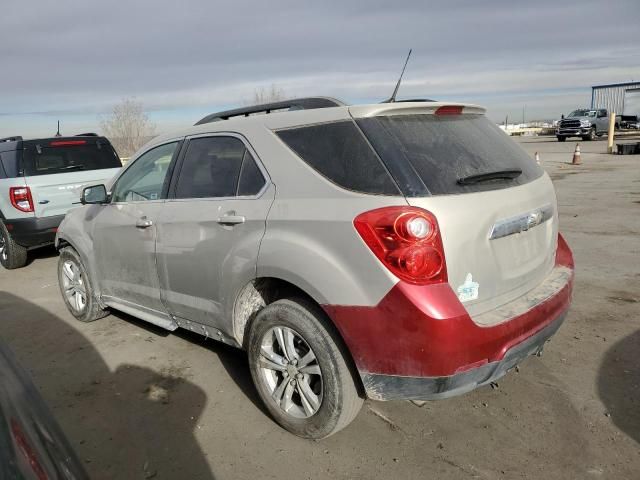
column 393, row 251
column 32, row 445
column 583, row 123
column 630, row 122
column 40, row 181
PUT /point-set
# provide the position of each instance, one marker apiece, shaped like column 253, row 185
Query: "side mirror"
column 562, row 116
column 96, row 194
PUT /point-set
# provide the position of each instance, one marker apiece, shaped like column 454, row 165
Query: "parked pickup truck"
column 584, row 123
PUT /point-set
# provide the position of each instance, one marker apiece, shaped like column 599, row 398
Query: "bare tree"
column 267, row 95
column 128, row 127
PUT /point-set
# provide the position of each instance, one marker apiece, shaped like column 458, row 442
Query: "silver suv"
column 40, row 180
column 389, row 251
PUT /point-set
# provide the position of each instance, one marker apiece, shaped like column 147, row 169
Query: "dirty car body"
column 420, row 238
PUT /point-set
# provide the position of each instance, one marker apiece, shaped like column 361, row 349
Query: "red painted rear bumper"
column 425, row 331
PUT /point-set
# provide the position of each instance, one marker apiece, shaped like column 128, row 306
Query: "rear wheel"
column 300, row 370
column 12, row 255
column 76, row 288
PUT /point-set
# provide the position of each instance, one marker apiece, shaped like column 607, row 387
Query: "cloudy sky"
column 73, row 60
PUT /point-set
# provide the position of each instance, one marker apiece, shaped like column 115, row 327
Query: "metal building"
column 622, row 98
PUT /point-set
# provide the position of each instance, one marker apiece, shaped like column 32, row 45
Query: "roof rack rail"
column 88, row 134
column 16, row 138
column 307, row 103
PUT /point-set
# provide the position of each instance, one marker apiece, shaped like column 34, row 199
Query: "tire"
column 592, row 135
column 327, row 375
column 561, row 139
column 12, row 255
column 72, row 275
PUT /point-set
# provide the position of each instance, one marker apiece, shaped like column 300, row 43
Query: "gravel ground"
column 137, row 402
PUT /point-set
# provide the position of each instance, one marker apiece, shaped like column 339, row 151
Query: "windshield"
column 583, row 113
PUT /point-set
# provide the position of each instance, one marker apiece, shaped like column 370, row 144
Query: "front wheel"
column 75, row 286
column 561, row 139
column 300, row 369
column 591, row 136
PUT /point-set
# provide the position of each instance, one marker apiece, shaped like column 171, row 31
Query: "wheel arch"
column 263, row 291
column 63, row 241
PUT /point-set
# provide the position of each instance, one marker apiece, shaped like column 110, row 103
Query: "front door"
column 125, row 232
column 211, row 227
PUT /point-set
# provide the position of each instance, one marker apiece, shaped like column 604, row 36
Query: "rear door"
column 499, row 231
column 211, row 228
column 56, row 170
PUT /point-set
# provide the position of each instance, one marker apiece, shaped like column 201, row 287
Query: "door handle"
column 231, row 219
column 144, row 222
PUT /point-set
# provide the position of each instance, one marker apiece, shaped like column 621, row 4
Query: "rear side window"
column 61, row 156
column 9, row 164
column 428, row 154
column 339, row 152
column 215, row 167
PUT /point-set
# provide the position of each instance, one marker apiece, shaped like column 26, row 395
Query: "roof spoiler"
column 307, row 103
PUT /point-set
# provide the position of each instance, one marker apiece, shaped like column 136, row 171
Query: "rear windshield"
column 46, row 158
column 432, row 155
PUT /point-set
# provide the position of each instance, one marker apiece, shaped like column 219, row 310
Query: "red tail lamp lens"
column 407, row 241
column 21, row 198
column 449, row 110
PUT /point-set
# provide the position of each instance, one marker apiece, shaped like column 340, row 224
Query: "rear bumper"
column 419, row 342
column 34, row 232
column 393, row 387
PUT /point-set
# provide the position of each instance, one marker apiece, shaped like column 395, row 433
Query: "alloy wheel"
column 4, row 255
column 289, row 369
column 73, row 286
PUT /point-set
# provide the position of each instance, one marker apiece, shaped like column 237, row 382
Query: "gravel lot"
column 137, row 402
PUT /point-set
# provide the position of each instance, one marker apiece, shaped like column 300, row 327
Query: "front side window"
column 218, row 167
column 144, row 180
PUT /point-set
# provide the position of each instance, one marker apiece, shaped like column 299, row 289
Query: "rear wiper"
column 484, row 177
column 73, row 167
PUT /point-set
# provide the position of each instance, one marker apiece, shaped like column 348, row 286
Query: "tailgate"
column 498, row 244
column 495, row 206
column 56, row 194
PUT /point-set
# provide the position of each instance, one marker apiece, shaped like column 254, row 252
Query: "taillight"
column 21, row 198
column 407, row 241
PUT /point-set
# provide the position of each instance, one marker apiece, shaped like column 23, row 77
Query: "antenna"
column 58, row 132
column 395, row 91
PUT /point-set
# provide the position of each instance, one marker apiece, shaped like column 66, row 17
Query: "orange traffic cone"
column 576, row 156
column 537, row 157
